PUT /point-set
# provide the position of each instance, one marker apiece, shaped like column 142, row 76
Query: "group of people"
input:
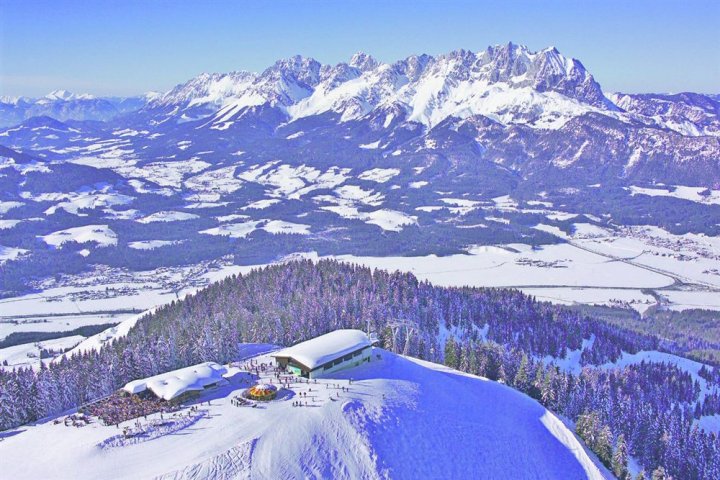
column 337, row 387
column 253, row 366
column 238, row 401
column 140, row 428
column 283, row 379
column 75, row 420
column 120, row 407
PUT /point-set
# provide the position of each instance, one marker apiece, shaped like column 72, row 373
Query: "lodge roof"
column 326, row 348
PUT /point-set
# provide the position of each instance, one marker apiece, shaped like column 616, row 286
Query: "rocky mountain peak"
column 364, row 62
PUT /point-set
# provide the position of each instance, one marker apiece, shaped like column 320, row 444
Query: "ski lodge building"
column 171, row 385
column 326, row 354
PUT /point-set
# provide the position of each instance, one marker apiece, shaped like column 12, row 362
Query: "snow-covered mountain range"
column 508, row 83
column 63, row 105
column 339, row 158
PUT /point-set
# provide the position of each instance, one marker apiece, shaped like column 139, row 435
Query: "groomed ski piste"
column 395, row 417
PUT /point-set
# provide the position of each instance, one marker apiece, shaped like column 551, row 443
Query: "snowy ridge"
column 506, row 82
column 400, row 418
column 98, row 340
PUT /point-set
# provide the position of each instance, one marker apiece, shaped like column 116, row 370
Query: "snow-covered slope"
column 689, row 114
column 401, row 418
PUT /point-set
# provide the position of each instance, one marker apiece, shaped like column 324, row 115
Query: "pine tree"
column 547, row 389
column 522, row 380
column 620, row 459
column 538, row 379
column 451, row 353
column 659, row 474
column 603, row 446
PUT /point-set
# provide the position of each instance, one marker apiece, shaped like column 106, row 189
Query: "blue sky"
column 127, row 47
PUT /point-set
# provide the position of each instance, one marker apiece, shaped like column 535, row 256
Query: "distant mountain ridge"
column 508, row 83
column 362, row 157
column 63, row 105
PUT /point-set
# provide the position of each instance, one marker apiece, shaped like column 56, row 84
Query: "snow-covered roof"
column 172, row 384
column 326, row 348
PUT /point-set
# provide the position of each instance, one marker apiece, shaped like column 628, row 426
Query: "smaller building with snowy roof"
column 326, row 354
column 171, row 385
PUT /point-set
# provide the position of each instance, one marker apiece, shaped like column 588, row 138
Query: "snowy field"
column 28, row 355
column 393, row 422
column 519, row 265
column 105, row 296
column 56, row 323
column 596, row 266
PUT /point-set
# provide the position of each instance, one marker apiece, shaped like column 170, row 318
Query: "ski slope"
column 401, row 418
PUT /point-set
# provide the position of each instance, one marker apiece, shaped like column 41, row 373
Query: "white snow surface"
column 694, row 194
column 233, row 230
column 516, row 265
column 100, row 234
column 95, row 342
column 10, row 253
column 243, row 229
column 8, row 224
column 379, row 175
column 281, row 226
column 167, row 216
column 389, row 220
column 370, row 146
column 7, row 206
column 151, row 244
column 401, row 418
column 28, row 354
column 261, row 204
column 292, row 182
column 73, row 202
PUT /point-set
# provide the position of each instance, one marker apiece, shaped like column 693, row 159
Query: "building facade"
column 326, row 354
